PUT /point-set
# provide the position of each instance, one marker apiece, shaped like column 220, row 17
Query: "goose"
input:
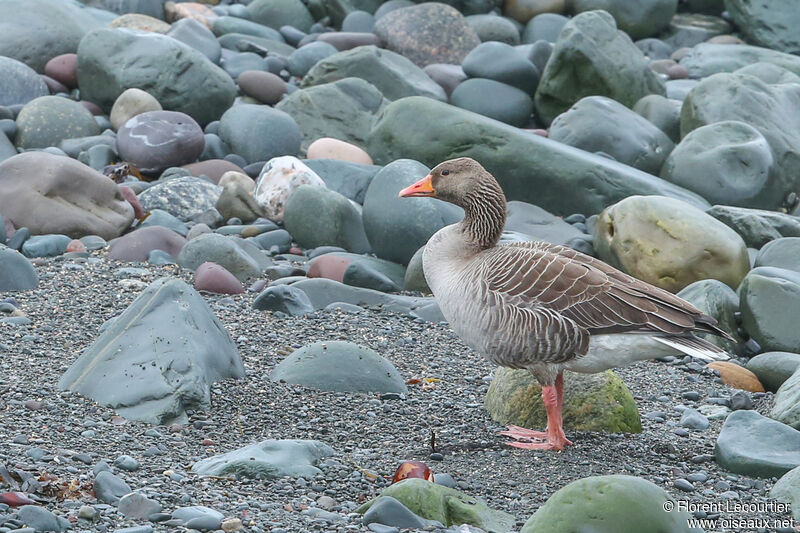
column 540, row 306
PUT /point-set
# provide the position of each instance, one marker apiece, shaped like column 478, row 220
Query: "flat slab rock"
column 268, row 459
column 754, row 445
column 158, row 358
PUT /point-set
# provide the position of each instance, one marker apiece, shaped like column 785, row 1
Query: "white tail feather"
column 695, row 347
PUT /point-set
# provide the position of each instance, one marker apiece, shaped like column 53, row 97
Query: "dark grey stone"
column 285, row 299
column 781, row 253
column 267, row 459
column 544, row 27
column 490, row 27
column 391, row 512
column 277, row 13
column 258, row 132
column 753, row 445
column 348, row 179
column 501, row 62
column 774, row 368
column 40, row 519
column 305, row 57
column 19, row 84
column 16, row 272
column 45, row 245
column 757, row 227
column 198, row 36
column 770, row 301
column 494, row 100
column 221, row 250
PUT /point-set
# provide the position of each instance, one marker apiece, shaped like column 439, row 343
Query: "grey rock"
column 259, row 133
column 316, row 216
column 757, row 227
column 40, row 519
column 686, row 30
column 693, row 420
column 391, row 512
column 285, row 299
column 126, row 462
column 786, row 408
column 491, row 27
column 323, row 292
column 593, row 58
column 397, row 227
column 181, row 197
column 637, row 19
column 277, row 13
column 226, row 24
column 134, row 368
column 346, row 110
column 769, row 299
column 305, row 57
column 109, row 488
column 503, row 63
column 268, row 459
column 185, row 514
column 221, row 250
column 719, row 301
column 159, row 217
column 780, row 253
column 663, row 113
column 198, row 36
column 414, row 279
column 544, row 27
column 339, row 366
column 351, row 180
column 236, row 201
column 203, row 523
column 137, row 506
column 773, row 368
column 392, row 74
column 19, row 84
column 535, row 222
column 707, row 58
column 447, row 76
column 494, row 100
column 754, row 445
column 624, row 135
column 16, row 272
column 45, row 245
column 48, row 120
column 530, row 168
column 178, row 76
column 359, row 22
column 772, row 26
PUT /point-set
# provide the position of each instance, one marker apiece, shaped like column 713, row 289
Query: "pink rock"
column 137, row 245
column 130, row 196
column 64, row 68
column 295, row 250
column 329, row 148
column 76, row 246
column 213, row 168
column 541, row 133
column 213, row 278
column 328, row 266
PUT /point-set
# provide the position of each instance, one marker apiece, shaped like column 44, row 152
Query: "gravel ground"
column 370, row 435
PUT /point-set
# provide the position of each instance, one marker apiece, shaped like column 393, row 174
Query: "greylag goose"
column 543, row 307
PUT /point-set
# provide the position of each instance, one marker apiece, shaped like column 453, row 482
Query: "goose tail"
column 694, row 346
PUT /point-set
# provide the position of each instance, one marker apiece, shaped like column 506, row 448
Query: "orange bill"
column 422, row 188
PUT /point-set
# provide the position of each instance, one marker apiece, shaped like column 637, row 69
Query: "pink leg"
column 553, row 438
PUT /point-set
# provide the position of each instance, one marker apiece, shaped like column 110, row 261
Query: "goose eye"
column 445, row 172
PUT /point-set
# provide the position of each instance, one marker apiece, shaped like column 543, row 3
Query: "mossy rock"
column 592, row 402
column 448, row 506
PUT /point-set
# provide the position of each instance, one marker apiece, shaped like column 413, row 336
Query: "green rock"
column 592, row 402
column 415, row 275
column 178, row 76
column 397, row 227
column 269, row 459
column 448, row 506
column 707, row 58
column 669, row 243
column 530, row 168
column 625, row 136
column 781, row 253
column 786, row 408
column 48, row 120
column 770, row 109
column 608, row 504
column 637, row 19
column 727, row 163
column 663, row 113
column 774, row 368
column 494, row 28
column 493, row 99
column 716, row 300
column 220, row 250
column 277, row 13
column 787, row 490
column 592, row 58
column 316, row 216
column 339, row 366
column 771, row 25
column 346, row 110
column 757, row 227
column 770, row 303
column 392, row 74
column 757, row 446
column 35, row 31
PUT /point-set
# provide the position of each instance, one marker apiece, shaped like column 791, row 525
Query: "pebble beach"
column 213, row 309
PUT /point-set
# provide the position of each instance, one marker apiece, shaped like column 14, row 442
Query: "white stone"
column 232, row 178
column 130, row 103
column 278, row 180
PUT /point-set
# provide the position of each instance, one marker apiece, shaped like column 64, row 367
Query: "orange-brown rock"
column 737, row 376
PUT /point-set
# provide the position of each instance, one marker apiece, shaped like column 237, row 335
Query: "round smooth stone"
column 19, row 83
column 212, row 277
column 447, row 76
column 64, row 69
column 265, row 87
column 48, row 120
column 130, row 103
column 157, row 140
column 359, row 22
column 501, row 62
column 328, row 148
column 495, row 100
column 302, row 59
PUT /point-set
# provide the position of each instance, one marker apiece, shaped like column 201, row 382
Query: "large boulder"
column 592, row 402
column 754, row 445
column 392, row 74
column 318, row 216
column 637, row 18
column 398, row 227
column 772, row 25
column 706, row 59
column 268, row 459
column 259, row 132
column 727, row 162
column 770, row 301
column 55, row 194
column 427, row 33
column 626, row 136
column 158, row 358
column 178, row 76
column 345, row 110
column 669, row 243
column 339, row 366
column 19, row 83
column 443, row 504
column 592, row 58
column 609, row 504
column 48, row 120
column 773, row 110
column 34, row 31
column 530, row 168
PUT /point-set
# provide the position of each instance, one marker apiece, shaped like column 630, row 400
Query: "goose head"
column 456, row 181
